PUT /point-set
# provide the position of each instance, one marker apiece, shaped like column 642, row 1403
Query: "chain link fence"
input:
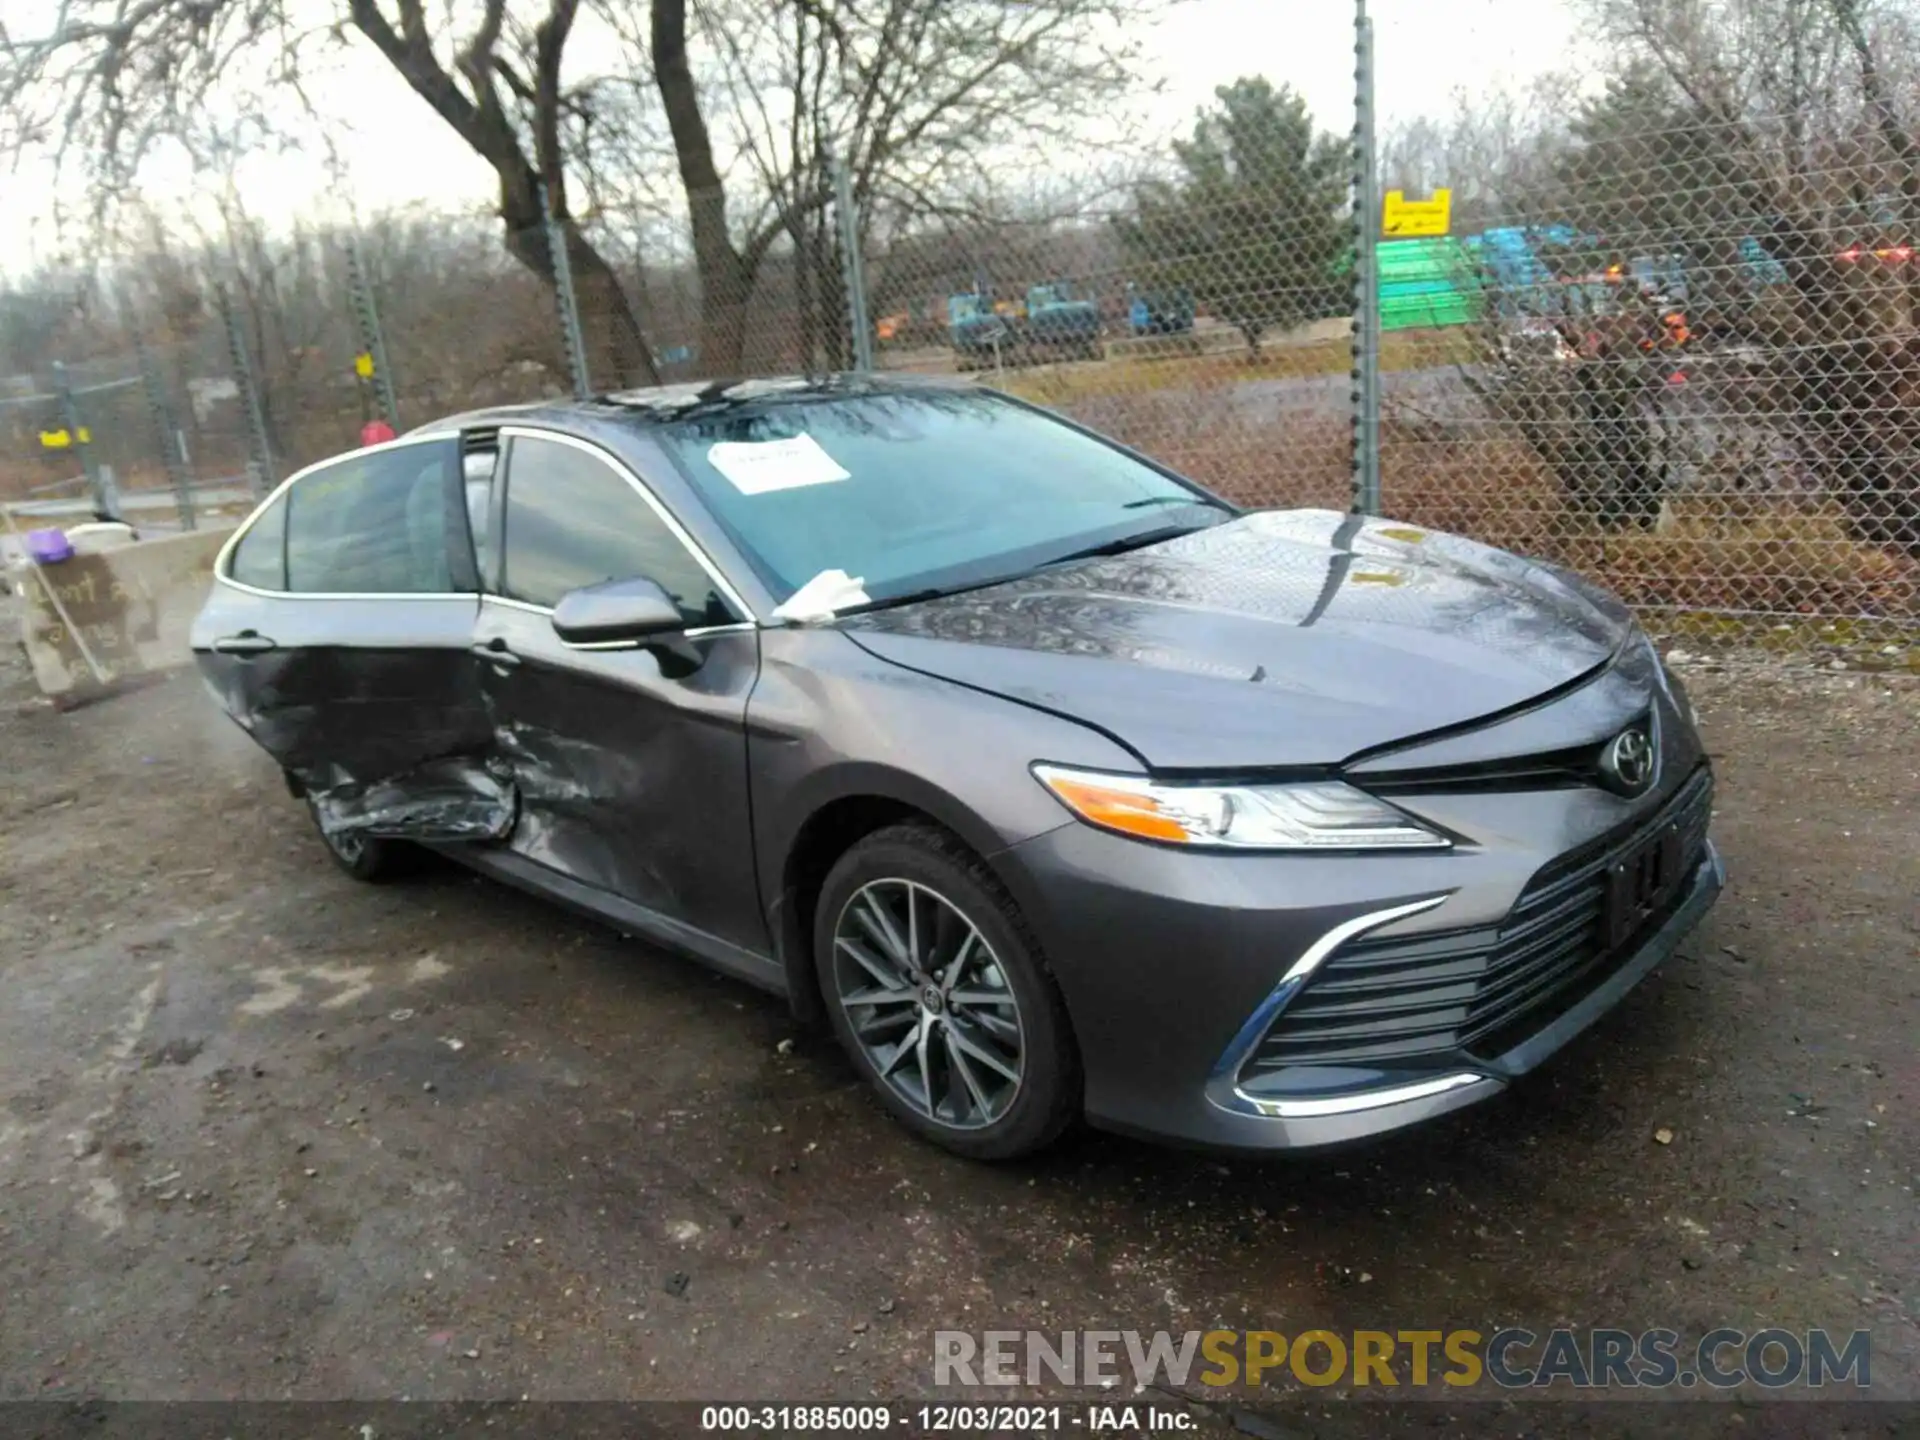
column 1679, row 355
column 160, row 435
column 1688, row 365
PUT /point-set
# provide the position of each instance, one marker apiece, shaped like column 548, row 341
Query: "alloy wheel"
column 928, row 1003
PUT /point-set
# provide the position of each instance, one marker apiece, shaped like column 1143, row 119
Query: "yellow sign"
column 363, row 365
column 1403, row 217
column 62, row 440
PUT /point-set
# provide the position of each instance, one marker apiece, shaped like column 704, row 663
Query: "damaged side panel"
column 442, row 801
column 373, row 706
column 632, row 780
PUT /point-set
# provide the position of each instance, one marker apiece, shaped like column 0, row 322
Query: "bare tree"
column 111, row 81
column 924, row 100
column 910, row 90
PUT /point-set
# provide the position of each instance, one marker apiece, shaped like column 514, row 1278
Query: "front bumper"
column 1174, row 965
column 1298, row 1123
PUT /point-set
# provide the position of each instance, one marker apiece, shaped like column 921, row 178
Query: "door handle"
column 247, row 642
column 495, row 652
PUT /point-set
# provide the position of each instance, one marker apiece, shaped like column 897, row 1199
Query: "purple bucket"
column 49, row 547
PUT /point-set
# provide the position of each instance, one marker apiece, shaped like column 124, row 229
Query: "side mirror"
column 616, row 611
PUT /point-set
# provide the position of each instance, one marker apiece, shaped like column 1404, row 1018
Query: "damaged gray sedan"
column 1059, row 785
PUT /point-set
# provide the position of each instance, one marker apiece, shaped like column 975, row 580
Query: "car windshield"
column 911, row 491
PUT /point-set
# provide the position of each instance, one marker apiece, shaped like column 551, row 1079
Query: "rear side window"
column 377, row 522
column 260, row 559
column 573, row 520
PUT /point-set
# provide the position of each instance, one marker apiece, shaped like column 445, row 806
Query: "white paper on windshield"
column 761, row 466
column 823, row 597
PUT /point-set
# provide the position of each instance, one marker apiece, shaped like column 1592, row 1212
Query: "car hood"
column 1281, row 638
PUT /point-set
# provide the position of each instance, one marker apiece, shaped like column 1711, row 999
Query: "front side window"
column 375, row 522
column 260, row 559
column 573, row 520
column 907, row 490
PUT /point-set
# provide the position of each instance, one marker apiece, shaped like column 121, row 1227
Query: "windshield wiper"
column 1124, row 543
column 926, row 592
column 1108, row 547
column 887, row 602
column 1144, row 502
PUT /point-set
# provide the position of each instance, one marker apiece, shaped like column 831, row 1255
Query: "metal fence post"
column 1366, row 285
column 240, row 359
column 373, row 341
column 565, row 300
column 846, row 219
column 166, row 431
column 106, row 495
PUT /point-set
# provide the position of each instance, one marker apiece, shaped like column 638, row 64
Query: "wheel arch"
column 840, row 810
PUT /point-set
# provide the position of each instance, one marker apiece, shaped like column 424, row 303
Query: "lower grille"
column 1478, row 992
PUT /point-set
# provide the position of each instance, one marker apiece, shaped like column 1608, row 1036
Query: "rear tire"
column 372, row 859
column 961, row 1030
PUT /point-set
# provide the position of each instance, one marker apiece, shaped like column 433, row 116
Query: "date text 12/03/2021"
column 1093, row 1419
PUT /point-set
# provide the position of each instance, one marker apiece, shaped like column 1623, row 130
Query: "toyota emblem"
column 1629, row 761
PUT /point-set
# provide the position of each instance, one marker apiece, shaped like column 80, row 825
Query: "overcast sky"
column 399, row 153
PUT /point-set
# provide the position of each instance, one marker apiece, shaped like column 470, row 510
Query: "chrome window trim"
column 224, row 559
column 513, row 604
column 645, row 492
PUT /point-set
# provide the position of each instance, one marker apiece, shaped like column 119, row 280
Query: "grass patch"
column 1868, row 643
column 1780, row 556
column 1763, row 559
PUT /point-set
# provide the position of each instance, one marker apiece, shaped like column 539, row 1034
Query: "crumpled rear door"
column 371, row 702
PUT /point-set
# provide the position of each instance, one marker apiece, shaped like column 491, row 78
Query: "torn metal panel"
column 445, row 801
column 335, row 715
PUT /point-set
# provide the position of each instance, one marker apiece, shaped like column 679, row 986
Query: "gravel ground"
column 268, row 1134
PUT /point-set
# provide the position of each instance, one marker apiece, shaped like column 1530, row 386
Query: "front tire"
column 941, row 997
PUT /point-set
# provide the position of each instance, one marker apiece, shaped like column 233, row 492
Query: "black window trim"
column 728, row 592
column 485, row 438
column 223, row 562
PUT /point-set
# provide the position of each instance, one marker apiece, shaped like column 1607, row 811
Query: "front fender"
column 830, row 722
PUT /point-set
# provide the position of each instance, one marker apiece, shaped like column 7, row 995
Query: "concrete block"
column 131, row 606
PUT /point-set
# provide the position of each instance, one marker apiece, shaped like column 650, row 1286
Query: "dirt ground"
column 265, row 1133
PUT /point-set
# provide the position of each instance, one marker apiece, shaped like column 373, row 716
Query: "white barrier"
column 92, row 620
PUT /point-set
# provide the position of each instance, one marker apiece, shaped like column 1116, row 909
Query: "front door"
column 338, row 634
column 631, row 778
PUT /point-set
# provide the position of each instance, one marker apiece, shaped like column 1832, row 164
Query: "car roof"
column 662, row 404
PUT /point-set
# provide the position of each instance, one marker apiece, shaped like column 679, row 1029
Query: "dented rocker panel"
column 443, row 801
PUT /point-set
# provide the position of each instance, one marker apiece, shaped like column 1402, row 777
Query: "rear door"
column 631, row 779
column 339, row 635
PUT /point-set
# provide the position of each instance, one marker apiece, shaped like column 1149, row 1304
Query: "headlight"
column 1321, row 815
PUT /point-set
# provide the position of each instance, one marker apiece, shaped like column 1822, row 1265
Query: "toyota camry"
column 1057, row 785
